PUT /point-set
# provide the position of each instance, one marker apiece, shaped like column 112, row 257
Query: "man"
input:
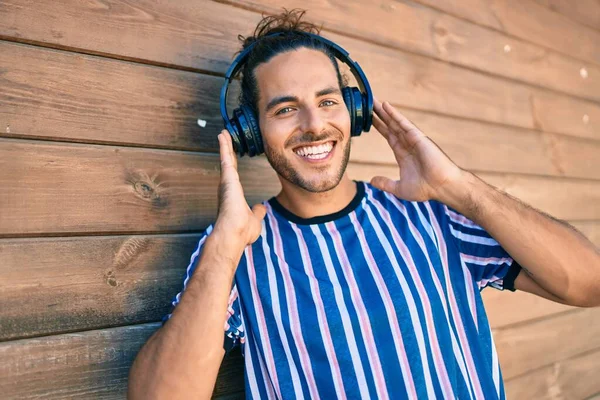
column 348, row 289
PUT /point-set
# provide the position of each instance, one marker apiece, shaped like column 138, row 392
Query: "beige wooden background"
column 106, row 179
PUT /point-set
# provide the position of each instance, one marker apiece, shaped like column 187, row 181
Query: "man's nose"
column 312, row 120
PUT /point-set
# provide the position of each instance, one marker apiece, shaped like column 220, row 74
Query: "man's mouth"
column 315, row 151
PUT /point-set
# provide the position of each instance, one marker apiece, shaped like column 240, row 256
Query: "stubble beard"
column 284, row 168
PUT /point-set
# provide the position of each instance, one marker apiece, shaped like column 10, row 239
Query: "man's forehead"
column 293, row 71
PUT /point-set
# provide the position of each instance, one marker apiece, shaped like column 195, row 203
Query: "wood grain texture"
column 506, row 308
column 87, row 365
column 529, row 21
column 439, row 35
column 57, row 188
column 573, row 378
column 547, row 194
column 525, row 347
column 486, row 147
column 57, row 285
column 586, row 12
column 95, row 100
column 111, row 189
column 423, row 83
column 66, row 96
column 64, row 284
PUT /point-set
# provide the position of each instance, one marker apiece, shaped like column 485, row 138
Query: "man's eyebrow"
column 328, row 90
column 284, row 99
column 278, row 100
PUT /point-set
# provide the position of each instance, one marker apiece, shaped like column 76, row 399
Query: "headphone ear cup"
column 253, row 136
column 359, row 111
column 239, row 124
column 349, row 100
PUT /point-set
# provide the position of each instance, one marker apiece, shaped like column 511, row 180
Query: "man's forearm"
column 555, row 255
column 182, row 358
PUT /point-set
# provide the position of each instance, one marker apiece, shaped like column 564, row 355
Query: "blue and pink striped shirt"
column 379, row 300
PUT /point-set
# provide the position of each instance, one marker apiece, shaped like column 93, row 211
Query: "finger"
column 259, row 211
column 380, row 126
column 385, row 184
column 228, row 161
column 400, row 119
column 385, row 117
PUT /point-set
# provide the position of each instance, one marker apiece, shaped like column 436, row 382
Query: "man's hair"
column 290, row 23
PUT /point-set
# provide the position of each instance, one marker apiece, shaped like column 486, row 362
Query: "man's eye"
column 282, row 110
column 330, row 102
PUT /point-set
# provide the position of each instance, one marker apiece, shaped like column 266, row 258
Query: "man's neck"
column 306, row 204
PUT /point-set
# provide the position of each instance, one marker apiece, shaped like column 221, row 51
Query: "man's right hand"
column 235, row 216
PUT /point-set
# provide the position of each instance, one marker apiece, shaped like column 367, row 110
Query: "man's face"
column 303, row 119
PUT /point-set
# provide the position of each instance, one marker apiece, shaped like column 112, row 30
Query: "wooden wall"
column 107, row 179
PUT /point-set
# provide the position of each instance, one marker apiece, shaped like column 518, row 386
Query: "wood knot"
column 148, row 188
column 129, row 251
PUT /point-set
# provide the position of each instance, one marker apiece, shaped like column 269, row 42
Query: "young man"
column 348, row 289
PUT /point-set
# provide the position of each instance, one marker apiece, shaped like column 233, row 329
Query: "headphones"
column 243, row 126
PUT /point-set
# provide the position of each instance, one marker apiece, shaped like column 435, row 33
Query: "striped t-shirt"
column 379, row 300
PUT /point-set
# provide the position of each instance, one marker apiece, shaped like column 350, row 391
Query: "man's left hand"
column 424, row 168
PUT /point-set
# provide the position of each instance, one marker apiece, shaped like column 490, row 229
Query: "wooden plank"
column 547, row 194
column 586, row 12
column 66, row 96
column 92, row 364
column 165, row 115
column 573, row 378
column 591, row 229
column 525, row 347
column 57, row 188
column 529, row 21
column 64, row 284
column 92, row 188
column 421, row 83
column 433, row 85
column 198, row 35
column 57, row 285
column 506, row 308
column 438, row 35
column 487, row 147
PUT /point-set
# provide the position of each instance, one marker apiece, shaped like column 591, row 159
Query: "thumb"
column 385, row 184
column 259, row 211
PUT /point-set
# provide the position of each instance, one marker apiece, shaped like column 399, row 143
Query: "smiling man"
column 351, row 289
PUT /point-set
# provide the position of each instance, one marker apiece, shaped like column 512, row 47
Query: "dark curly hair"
column 290, row 23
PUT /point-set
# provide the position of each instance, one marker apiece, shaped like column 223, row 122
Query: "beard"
column 283, row 166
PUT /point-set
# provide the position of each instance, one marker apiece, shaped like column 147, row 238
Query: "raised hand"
column 235, row 216
column 424, row 167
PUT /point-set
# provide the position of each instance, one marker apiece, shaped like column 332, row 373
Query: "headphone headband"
column 338, row 52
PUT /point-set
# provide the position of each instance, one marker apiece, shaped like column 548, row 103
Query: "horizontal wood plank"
column 547, row 194
column 426, row 84
column 528, row 21
column 439, row 35
column 67, row 96
column 64, row 284
column 155, row 107
column 573, row 378
column 87, row 365
column 91, row 188
column 488, row 147
column 57, row 285
column 506, row 308
column 525, row 347
column 586, row 12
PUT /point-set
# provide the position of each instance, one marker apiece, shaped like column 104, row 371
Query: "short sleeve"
column 488, row 262
column 234, row 332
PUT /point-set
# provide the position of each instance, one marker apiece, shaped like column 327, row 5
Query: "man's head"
column 293, row 85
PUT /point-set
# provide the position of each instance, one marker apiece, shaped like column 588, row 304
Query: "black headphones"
column 243, row 126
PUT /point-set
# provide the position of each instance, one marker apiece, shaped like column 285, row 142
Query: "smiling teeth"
column 315, row 152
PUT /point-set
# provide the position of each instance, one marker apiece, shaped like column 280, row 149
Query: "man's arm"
column 559, row 262
column 181, row 360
